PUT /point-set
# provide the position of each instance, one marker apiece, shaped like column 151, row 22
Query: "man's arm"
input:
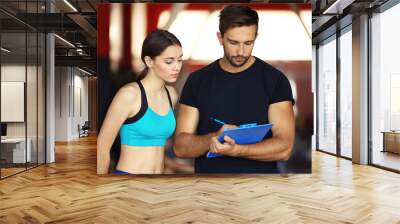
column 278, row 147
column 186, row 142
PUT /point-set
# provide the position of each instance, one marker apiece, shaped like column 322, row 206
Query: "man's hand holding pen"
column 229, row 147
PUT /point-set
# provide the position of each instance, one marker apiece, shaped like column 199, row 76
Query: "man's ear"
column 148, row 61
column 219, row 35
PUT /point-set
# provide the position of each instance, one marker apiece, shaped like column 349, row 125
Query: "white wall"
column 34, row 124
column 13, row 73
column 61, row 103
column 71, row 94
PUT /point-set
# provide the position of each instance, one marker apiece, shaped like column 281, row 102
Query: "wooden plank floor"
column 69, row 191
column 10, row 171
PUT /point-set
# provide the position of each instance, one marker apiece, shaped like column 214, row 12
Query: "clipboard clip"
column 248, row 125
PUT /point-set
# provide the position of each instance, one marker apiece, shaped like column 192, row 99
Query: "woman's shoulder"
column 129, row 92
column 171, row 89
column 172, row 92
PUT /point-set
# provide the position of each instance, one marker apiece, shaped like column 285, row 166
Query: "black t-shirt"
column 234, row 98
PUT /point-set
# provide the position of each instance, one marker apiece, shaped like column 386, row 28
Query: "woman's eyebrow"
column 173, row 57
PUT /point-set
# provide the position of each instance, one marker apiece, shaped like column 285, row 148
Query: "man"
column 237, row 89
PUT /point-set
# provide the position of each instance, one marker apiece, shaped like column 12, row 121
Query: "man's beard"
column 232, row 61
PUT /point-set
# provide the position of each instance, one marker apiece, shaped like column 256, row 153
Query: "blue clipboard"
column 244, row 134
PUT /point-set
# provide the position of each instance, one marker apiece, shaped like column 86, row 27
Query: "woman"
column 142, row 111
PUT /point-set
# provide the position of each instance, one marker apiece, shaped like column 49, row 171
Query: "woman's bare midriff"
column 141, row 159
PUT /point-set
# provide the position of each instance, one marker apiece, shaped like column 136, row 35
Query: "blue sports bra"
column 147, row 128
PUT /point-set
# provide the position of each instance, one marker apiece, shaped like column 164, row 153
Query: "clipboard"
column 244, row 134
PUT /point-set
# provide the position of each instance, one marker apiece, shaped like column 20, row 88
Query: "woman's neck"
column 154, row 85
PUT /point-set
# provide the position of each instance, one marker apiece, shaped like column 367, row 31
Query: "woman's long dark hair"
column 155, row 43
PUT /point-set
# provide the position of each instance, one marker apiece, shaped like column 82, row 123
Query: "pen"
column 218, row 121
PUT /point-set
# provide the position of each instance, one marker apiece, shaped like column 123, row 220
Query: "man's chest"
column 238, row 102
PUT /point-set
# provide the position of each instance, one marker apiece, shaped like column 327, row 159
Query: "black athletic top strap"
column 143, row 94
column 143, row 106
column 169, row 97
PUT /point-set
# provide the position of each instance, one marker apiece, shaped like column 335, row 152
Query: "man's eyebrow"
column 238, row 41
column 232, row 40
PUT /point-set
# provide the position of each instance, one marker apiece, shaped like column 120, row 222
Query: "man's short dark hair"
column 236, row 16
